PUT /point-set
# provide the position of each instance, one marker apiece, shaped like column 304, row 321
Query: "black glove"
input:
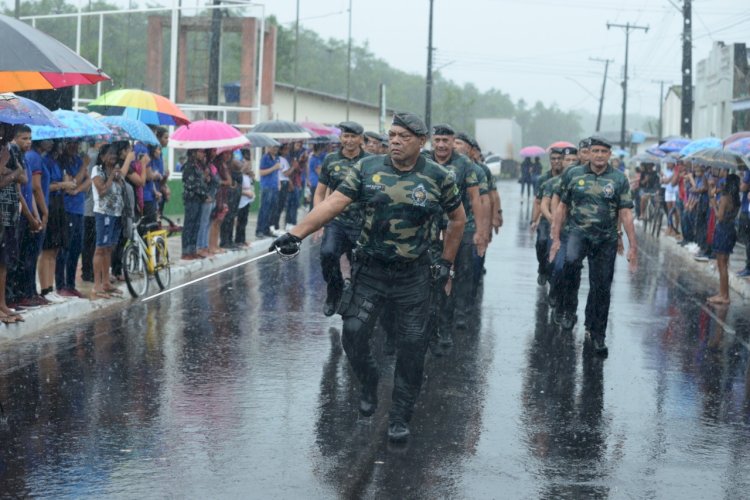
column 441, row 273
column 286, row 245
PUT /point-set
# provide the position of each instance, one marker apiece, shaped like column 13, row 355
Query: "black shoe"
column 541, row 280
column 398, row 431
column 269, row 234
column 600, row 347
column 330, row 308
column 368, row 402
column 568, row 321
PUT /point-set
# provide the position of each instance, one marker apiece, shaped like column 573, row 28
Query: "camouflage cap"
column 411, row 122
column 351, row 127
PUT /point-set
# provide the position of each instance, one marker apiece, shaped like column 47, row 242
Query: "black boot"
column 398, row 431
column 368, row 401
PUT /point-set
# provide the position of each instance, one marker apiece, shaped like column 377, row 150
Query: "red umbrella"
column 319, row 128
column 560, row 145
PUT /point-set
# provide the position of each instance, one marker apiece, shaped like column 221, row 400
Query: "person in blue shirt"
column 743, row 227
column 76, row 168
column 316, row 161
column 269, row 190
column 152, row 189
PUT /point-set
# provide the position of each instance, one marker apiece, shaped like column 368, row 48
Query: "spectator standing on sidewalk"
column 74, row 201
column 724, row 198
column 316, row 161
column 269, row 185
column 234, row 166
column 284, row 185
column 195, row 193
column 89, row 221
column 246, row 200
column 743, row 226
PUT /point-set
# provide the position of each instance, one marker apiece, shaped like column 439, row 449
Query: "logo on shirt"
column 337, row 168
column 419, row 196
column 609, row 191
column 581, row 182
column 452, row 176
column 376, row 178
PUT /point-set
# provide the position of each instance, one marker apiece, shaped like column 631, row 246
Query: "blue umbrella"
column 674, row 144
column 619, row 152
column 17, row 110
column 137, row 130
column 655, row 151
column 700, row 144
column 75, row 126
column 741, row 146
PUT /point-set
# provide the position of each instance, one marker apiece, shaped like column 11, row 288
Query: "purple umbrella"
column 17, row 110
column 656, row 151
column 531, row 151
column 741, row 146
column 673, row 144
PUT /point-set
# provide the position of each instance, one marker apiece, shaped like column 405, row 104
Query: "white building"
column 721, row 103
column 672, row 112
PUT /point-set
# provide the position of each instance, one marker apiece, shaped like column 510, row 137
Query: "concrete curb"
column 54, row 315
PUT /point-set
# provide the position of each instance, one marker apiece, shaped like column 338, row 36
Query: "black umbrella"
column 261, row 140
column 281, row 129
column 33, row 60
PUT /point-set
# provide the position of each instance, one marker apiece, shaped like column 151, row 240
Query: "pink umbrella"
column 735, row 137
column 207, row 134
column 319, row 128
column 530, row 151
column 560, row 145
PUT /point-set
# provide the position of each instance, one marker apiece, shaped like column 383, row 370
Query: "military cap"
column 584, row 143
column 373, row 135
column 558, row 151
column 597, row 140
column 463, row 136
column 411, row 122
column 384, row 140
column 351, row 127
column 443, row 129
column 569, row 151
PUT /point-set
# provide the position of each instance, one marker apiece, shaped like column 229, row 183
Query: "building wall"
column 714, row 78
column 672, row 114
column 324, row 109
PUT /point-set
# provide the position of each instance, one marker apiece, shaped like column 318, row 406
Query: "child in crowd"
column 725, row 203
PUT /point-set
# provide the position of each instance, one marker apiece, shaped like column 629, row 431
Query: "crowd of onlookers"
column 706, row 209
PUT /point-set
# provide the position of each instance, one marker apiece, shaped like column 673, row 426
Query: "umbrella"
column 619, row 152
column 721, row 158
column 207, row 134
column 644, row 158
column 17, row 110
column 673, row 144
column 740, row 146
column 734, row 137
column 698, row 144
column 325, row 139
column 138, row 131
column 261, row 140
column 530, row 151
column 560, row 145
column 280, row 129
column 319, row 128
column 655, row 151
column 33, row 60
column 75, row 125
column 141, row 105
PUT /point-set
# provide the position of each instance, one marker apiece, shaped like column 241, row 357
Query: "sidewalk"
column 37, row 320
column 708, row 269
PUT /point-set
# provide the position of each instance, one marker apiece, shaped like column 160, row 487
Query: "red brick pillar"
column 268, row 72
column 155, row 57
column 247, row 67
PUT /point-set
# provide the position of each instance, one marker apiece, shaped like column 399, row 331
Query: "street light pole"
column 627, row 27
column 428, row 82
column 349, row 65
column 604, row 86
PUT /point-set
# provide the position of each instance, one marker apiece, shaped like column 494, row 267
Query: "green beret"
column 351, row 127
column 373, row 135
column 443, row 129
column 597, row 140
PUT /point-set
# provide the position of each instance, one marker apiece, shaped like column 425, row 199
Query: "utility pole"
column 686, row 122
column 348, row 64
column 428, row 81
column 17, row 12
column 214, row 58
column 604, row 86
column 296, row 65
column 661, row 107
column 627, row 27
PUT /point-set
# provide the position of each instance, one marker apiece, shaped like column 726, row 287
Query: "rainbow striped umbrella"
column 140, row 105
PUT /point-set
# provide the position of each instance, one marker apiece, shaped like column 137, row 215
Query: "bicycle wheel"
column 135, row 269
column 162, row 268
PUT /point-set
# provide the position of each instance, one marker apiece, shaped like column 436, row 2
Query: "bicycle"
column 146, row 257
column 654, row 214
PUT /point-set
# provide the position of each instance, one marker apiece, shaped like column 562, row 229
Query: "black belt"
column 422, row 260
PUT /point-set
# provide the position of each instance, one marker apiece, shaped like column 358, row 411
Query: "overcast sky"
column 531, row 49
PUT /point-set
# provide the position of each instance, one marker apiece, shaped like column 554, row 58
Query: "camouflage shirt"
column 332, row 173
column 491, row 182
column 550, row 186
column 594, row 201
column 463, row 173
column 542, row 179
column 399, row 207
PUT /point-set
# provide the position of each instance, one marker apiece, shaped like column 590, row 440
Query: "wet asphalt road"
column 237, row 387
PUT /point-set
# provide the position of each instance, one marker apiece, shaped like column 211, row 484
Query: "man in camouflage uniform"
column 595, row 198
column 400, row 194
column 540, row 222
column 372, row 142
column 464, row 172
column 340, row 234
